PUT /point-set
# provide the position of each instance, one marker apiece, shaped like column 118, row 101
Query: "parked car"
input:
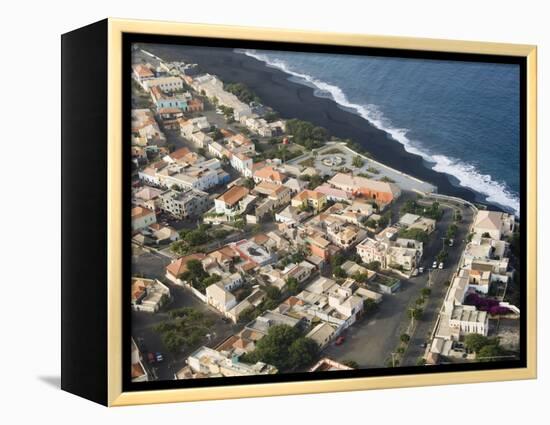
column 423, row 345
column 451, row 242
column 150, row 358
column 434, row 265
column 340, row 340
column 440, row 266
column 159, row 358
column 421, row 270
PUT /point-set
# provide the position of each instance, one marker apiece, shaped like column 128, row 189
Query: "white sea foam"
column 466, row 174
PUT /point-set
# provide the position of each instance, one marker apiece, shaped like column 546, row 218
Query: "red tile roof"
column 179, row 266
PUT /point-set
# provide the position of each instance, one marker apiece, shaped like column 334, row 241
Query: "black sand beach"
column 293, row 100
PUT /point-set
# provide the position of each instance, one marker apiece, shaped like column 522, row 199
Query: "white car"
column 440, row 266
column 434, row 265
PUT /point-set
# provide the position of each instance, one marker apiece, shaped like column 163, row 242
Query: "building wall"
column 318, row 251
column 171, row 103
column 143, row 222
column 379, row 197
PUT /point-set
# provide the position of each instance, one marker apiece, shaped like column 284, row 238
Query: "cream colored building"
column 496, row 224
column 142, row 218
column 220, row 298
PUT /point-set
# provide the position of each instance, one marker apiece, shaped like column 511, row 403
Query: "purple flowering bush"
column 486, row 304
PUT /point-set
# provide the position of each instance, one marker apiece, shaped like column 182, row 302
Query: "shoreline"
column 294, row 100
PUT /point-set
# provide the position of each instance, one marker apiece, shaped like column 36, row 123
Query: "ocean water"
column 461, row 117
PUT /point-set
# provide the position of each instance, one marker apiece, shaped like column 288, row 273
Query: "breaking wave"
column 466, row 174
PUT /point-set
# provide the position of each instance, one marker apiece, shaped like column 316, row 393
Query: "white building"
column 232, row 281
column 220, row 298
column 211, row 363
column 142, row 218
column 148, row 295
column 196, row 178
column 201, row 139
column 496, row 224
column 242, row 163
column 217, row 150
column 166, row 84
column 465, row 319
column 193, row 125
column 322, row 334
column 233, row 202
column 186, row 203
column 213, row 88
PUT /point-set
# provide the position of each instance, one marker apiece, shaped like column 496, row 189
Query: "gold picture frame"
column 115, row 30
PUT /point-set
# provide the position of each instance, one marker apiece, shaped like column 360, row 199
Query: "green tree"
column 337, row 260
column 415, row 313
column 405, row 338
column 314, row 181
column 196, row 237
column 451, row 231
column 239, row 224
column 458, row 216
column 194, row 267
column 243, row 93
column 172, row 340
column 292, row 285
column 249, row 183
column 369, row 305
column 298, row 257
column 339, row 272
column 271, row 116
column 371, row 223
column 211, row 280
column 416, row 234
column 306, row 134
column 303, row 352
column 357, row 161
column 218, row 135
column 274, row 348
column 373, row 265
column 360, row 277
column 442, row 256
column 248, row 314
column 426, row 292
column 195, row 275
column 489, row 353
column 385, row 219
column 475, row 342
column 273, row 293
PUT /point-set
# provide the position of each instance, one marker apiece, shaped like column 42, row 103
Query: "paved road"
column 371, row 341
column 152, row 265
column 425, row 326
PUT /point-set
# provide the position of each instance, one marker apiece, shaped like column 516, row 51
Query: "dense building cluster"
column 310, row 246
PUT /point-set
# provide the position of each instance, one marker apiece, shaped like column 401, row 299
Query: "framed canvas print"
column 252, row 212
